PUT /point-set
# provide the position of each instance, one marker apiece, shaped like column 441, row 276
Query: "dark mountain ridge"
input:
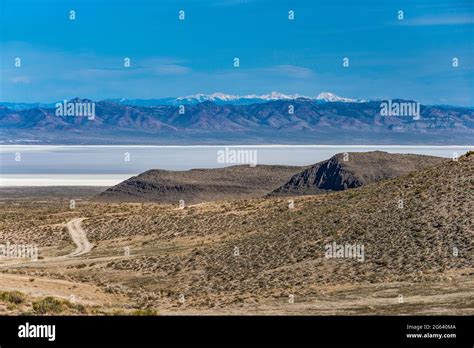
column 309, row 121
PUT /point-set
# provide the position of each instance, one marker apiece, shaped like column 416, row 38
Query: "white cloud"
column 171, row 69
column 440, row 20
column 292, row 71
column 20, row 79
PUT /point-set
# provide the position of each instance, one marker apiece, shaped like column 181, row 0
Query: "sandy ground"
column 86, row 294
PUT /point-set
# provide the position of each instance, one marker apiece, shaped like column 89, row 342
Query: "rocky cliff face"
column 353, row 169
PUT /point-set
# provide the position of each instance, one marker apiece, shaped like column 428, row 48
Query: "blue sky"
column 389, row 58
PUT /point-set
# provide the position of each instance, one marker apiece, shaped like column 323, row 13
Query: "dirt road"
column 79, row 237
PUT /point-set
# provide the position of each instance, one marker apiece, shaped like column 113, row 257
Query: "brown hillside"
column 200, row 185
column 281, row 250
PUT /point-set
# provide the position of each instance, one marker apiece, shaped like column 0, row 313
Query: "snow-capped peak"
column 211, row 97
column 229, row 97
column 250, row 98
column 278, row 96
column 331, row 97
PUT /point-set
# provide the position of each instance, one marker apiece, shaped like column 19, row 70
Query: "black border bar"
column 248, row 330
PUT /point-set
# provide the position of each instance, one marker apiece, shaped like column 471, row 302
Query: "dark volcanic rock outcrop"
column 353, row 169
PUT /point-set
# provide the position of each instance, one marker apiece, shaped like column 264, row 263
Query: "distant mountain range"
column 217, row 98
column 231, row 99
column 224, row 119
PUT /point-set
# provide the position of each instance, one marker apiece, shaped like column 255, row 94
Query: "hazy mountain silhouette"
column 296, row 121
